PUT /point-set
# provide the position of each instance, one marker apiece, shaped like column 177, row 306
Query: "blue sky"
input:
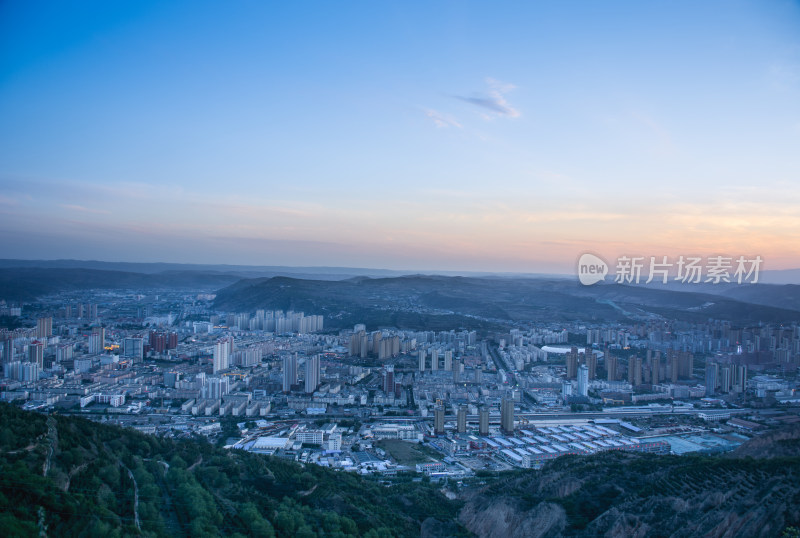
column 414, row 135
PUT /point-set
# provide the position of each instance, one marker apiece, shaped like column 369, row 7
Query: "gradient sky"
column 503, row 136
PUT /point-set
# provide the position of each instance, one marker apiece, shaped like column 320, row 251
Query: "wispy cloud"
column 83, row 209
column 493, row 99
column 442, row 120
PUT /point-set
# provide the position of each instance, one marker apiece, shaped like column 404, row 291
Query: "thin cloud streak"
column 442, row 120
column 83, row 209
column 494, row 100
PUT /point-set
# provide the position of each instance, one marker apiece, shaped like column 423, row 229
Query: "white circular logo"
column 591, row 269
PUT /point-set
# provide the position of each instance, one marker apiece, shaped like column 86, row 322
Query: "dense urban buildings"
column 497, row 399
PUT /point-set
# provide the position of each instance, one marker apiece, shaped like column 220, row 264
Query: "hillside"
column 377, row 301
column 617, row 494
column 75, row 477
column 781, row 443
column 242, row 271
column 27, row 284
column 79, row 478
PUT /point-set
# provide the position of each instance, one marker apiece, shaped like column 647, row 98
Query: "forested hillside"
column 74, row 477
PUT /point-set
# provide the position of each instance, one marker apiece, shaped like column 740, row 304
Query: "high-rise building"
column 21, row 371
column 8, row 348
column 377, row 336
column 353, row 346
column 448, row 360
column 215, row 387
column 44, row 327
column 654, row 362
column 438, row 420
column 583, row 380
column 673, row 357
column 385, row 348
column 64, row 352
column 572, row 363
column 483, row 421
column 36, row 353
column 94, row 344
column 158, row 341
column 461, row 419
column 685, row 364
column 566, row 391
column 725, row 382
column 222, row 354
column 289, row 372
column 312, row 373
column 134, row 348
column 434, row 360
column 635, row 371
column 712, row 375
column 458, row 369
column 611, row 367
column 388, row 379
column 421, row 356
column 740, row 378
column 507, row 415
column 590, row 360
column 97, row 340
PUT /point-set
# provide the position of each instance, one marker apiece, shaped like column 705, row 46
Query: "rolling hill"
column 496, row 300
column 28, row 284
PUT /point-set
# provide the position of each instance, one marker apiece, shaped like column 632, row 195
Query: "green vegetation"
column 406, row 453
column 74, row 477
column 625, row 494
column 185, row 488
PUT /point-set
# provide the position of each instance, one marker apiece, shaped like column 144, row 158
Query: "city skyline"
column 436, row 137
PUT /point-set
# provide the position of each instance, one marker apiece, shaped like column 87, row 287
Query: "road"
column 135, row 497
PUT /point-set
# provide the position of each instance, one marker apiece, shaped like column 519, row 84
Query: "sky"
column 474, row 136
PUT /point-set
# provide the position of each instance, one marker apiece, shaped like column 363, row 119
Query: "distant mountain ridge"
column 774, row 276
column 253, row 271
column 417, row 300
column 29, row 284
column 546, row 300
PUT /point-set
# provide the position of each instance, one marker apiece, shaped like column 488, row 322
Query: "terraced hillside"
column 634, row 495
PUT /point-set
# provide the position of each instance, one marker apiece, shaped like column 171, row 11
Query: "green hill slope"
column 104, row 481
column 72, row 477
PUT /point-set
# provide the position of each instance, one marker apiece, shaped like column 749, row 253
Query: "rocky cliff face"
column 636, row 495
column 781, row 443
column 503, row 517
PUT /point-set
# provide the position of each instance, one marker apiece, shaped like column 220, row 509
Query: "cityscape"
column 455, row 407
column 282, row 383
column 399, row 269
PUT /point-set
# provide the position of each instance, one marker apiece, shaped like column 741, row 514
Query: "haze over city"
column 454, row 136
